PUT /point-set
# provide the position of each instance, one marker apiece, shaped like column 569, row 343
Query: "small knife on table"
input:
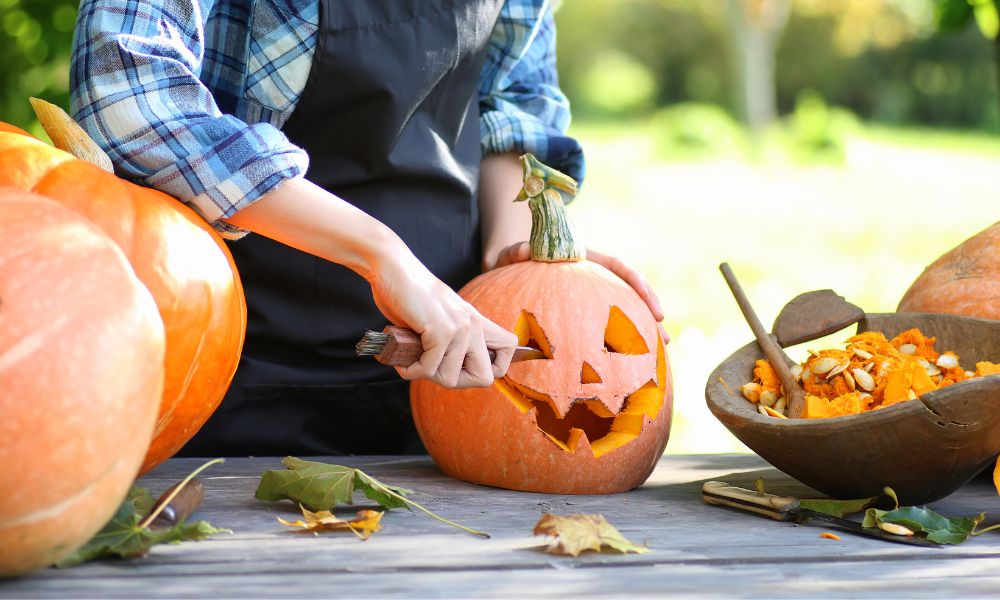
column 786, row 508
column 182, row 506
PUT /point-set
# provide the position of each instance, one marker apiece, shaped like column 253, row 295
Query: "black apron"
column 390, row 120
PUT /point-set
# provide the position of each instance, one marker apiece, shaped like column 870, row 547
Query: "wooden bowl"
column 924, row 449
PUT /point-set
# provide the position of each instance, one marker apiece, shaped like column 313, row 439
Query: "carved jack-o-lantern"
column 594, row 415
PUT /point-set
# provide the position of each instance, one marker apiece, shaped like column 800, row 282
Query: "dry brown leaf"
column 576, row 533
column 364, row 523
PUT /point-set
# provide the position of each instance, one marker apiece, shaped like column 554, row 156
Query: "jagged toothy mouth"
column 589, row 417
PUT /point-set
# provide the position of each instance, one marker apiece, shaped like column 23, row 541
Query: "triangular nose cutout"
column 589, row 375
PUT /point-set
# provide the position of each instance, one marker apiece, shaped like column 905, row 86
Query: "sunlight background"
column 812, row 144
column 858, row 197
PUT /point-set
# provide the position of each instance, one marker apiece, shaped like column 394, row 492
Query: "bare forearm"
column 307, row 217
column 504, row 222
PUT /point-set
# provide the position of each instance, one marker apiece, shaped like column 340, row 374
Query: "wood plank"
column 723, row 551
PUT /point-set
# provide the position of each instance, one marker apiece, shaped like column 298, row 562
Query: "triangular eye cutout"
column 589, row 375
column 529, row 333
column 621, row 335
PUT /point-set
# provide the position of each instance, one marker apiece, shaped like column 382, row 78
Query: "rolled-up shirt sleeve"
column 521, row 106
column 135, row 90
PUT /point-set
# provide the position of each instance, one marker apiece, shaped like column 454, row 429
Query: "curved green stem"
column 553, row 237
column 162, row 505
column 409, row 502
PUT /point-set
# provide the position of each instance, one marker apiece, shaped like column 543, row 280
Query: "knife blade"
column 787, row 508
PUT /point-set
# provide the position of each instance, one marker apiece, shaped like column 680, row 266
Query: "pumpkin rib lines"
column 31, row 343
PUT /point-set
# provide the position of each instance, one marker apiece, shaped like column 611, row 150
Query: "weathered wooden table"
column 696, row 549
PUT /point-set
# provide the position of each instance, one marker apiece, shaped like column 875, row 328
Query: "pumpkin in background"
column 964, row 281
column 593, row 417
column 181, row 260
column 81, row 377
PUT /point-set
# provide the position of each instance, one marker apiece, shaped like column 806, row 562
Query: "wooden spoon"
column 812, row 315
column 779, row 360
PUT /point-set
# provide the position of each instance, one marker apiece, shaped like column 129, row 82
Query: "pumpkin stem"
column 553, row 237
column 68, row 136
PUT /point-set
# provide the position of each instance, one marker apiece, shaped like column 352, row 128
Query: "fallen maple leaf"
column 364, row 523
column 321, row 486
column 576, row 533
column 127, row 534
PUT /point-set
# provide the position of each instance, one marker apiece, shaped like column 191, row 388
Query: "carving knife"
column 401, row 347
column 786, row 508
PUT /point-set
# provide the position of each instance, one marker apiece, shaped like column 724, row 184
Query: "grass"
column 865, row 227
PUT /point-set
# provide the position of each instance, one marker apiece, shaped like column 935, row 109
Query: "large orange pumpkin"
column 593, row 417
column 81, row 377
column 964, row 281
column 182, row 261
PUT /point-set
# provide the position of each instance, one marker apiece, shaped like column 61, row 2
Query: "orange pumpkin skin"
column 964, row 281
column 181, row 260
column 483, row 436
column 81, row 377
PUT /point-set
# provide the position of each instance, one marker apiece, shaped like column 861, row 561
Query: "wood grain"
column 924, row 449
column 696, row 549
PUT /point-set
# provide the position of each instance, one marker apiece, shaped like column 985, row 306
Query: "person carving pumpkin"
column 336, row 139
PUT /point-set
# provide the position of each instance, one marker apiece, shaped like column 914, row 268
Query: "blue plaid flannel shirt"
column 189, row 96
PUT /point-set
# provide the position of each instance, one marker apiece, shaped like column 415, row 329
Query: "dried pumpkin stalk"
column 870, row 373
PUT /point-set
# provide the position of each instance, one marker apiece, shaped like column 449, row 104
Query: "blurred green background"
column 812, row 144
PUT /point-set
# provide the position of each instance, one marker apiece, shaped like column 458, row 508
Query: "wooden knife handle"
column 404, row 348
column 779, row 508
column 184, row 504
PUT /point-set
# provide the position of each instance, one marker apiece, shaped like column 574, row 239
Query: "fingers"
column 435, row 341
column 514, row 253
column 633, row 278
column 477, row 371
column 455, row 352
column 502, row 342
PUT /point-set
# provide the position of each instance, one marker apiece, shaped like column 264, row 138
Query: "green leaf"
column 837, row 508
column 937, row 528
column 123, row 537
column 141, row 499
column 379, row 492
column 320, row 486
column 952, row 15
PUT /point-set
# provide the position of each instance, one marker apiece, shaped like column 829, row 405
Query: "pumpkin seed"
column 781, row 404
column 865, row 381
column 796, row 372
column 947, row 361
column 869, row 367
column 823, row 365
column 849, row 380
column 762, row 410
column 838, row 370
column 813, row 352
column 768, row 398
column 895, row 529
column 751, row 391
column 908, row 349
column 970, row 374
column 861, row 353
column 807, row 375
column 911, row 394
